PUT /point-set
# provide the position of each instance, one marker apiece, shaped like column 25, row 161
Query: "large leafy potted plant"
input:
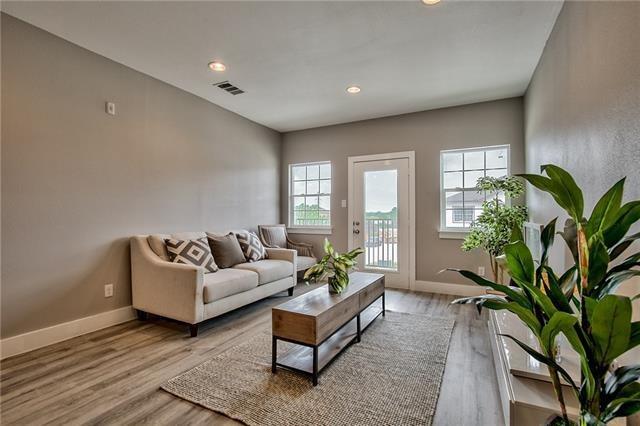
column 578, row 303
column 492, row 229
column 334, row 265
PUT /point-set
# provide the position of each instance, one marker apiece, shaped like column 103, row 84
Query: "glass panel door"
column 381, row 219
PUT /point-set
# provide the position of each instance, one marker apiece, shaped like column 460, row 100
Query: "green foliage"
column 391, row 214
column 579, row 303
column 335, row 266
column 491, row 231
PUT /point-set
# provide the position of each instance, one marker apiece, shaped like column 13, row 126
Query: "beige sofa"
column 185, row 293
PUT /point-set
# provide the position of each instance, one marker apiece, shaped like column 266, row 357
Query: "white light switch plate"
column 110, row 108
column 344, row 203
column 108, row 290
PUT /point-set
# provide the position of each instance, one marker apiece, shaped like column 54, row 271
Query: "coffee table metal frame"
column 316, row 372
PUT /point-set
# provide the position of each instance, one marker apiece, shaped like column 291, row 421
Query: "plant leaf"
column 611, row 326
column 606, row 208
column 546, row 239
column 634, row 336
column 598, row 263
column 626, row 216
column 328, row 247
column 521, row 269
column 523, row 313
column 509, row 291
column 520, row 262
column 559, row 322
column 567, row 190
column 570, row 237
column 620, row 248
column 614, row 280
column 555, row 292
column 543, row 359
column 620, row 378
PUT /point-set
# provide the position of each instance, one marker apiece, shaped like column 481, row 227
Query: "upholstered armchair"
column 275, row 236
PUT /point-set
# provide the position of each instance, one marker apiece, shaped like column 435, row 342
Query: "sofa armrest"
column 284, row 254
column 163, row 288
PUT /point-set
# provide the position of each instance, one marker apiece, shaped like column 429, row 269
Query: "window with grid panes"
column 460, row 201
column 310, row 195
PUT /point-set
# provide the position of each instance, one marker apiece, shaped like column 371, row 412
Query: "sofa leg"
column 193, row 330
column 142, row 315
column 290, row 291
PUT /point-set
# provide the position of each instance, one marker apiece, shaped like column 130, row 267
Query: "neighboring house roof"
column 471, row 198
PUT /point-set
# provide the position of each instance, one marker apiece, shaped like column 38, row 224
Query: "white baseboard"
column 57, row 333
column 448, row 288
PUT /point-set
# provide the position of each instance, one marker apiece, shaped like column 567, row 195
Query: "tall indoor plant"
column 579, row 302
column 334, row 265
column 492, row 229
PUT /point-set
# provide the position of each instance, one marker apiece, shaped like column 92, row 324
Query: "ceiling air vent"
column 228, row 87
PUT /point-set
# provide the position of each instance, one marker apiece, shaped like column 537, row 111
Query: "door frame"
column 411, row 156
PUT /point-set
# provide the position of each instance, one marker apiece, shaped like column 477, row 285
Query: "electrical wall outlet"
column 481, row 271
column 108, row 290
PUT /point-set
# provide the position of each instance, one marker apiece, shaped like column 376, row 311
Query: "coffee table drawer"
column 290, row 326
column 336, row 317
column 371, row 293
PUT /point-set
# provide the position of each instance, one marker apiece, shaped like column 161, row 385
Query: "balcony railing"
column 381, row 243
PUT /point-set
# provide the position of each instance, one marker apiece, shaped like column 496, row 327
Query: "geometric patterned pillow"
column 191, row 252
column 251, row 246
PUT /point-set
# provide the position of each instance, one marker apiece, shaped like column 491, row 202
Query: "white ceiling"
column 295, row 59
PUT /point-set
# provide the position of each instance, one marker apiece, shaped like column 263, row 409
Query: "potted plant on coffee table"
column 334, row 265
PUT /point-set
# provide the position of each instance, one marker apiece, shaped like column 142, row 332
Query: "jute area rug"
column 392, row 377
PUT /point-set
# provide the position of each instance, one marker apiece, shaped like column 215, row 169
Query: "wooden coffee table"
column 322, row 324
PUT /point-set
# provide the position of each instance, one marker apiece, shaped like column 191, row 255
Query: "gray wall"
column 76, row 182
column 582, row 108
column 426, row 133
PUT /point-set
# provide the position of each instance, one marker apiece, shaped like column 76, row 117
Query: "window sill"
column 310, row 231
column 453, row 235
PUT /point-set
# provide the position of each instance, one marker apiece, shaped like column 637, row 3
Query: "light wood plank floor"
column 112, row 376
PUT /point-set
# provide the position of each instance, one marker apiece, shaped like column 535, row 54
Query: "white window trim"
column 461, row 232
column 308, row 229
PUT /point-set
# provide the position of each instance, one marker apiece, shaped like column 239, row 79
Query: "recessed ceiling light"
column 430, row 2
column 353, row 89
column 217, row 66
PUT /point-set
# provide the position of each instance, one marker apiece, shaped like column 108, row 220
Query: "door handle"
column 356, row 223
column 356, row 231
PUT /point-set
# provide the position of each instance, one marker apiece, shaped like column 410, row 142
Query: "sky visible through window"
column 381, row 191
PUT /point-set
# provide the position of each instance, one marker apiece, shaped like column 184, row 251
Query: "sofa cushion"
column 306, row 262
column 251, row 245
column 268, row 270
column 159, row 247
column 226, row 250
column 191, row 252
column 227, row 282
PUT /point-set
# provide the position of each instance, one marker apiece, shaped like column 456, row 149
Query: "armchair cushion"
column 306, row 262
column 227, row 282
column 191, row 252
column 226, row 250
column 274, row 235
